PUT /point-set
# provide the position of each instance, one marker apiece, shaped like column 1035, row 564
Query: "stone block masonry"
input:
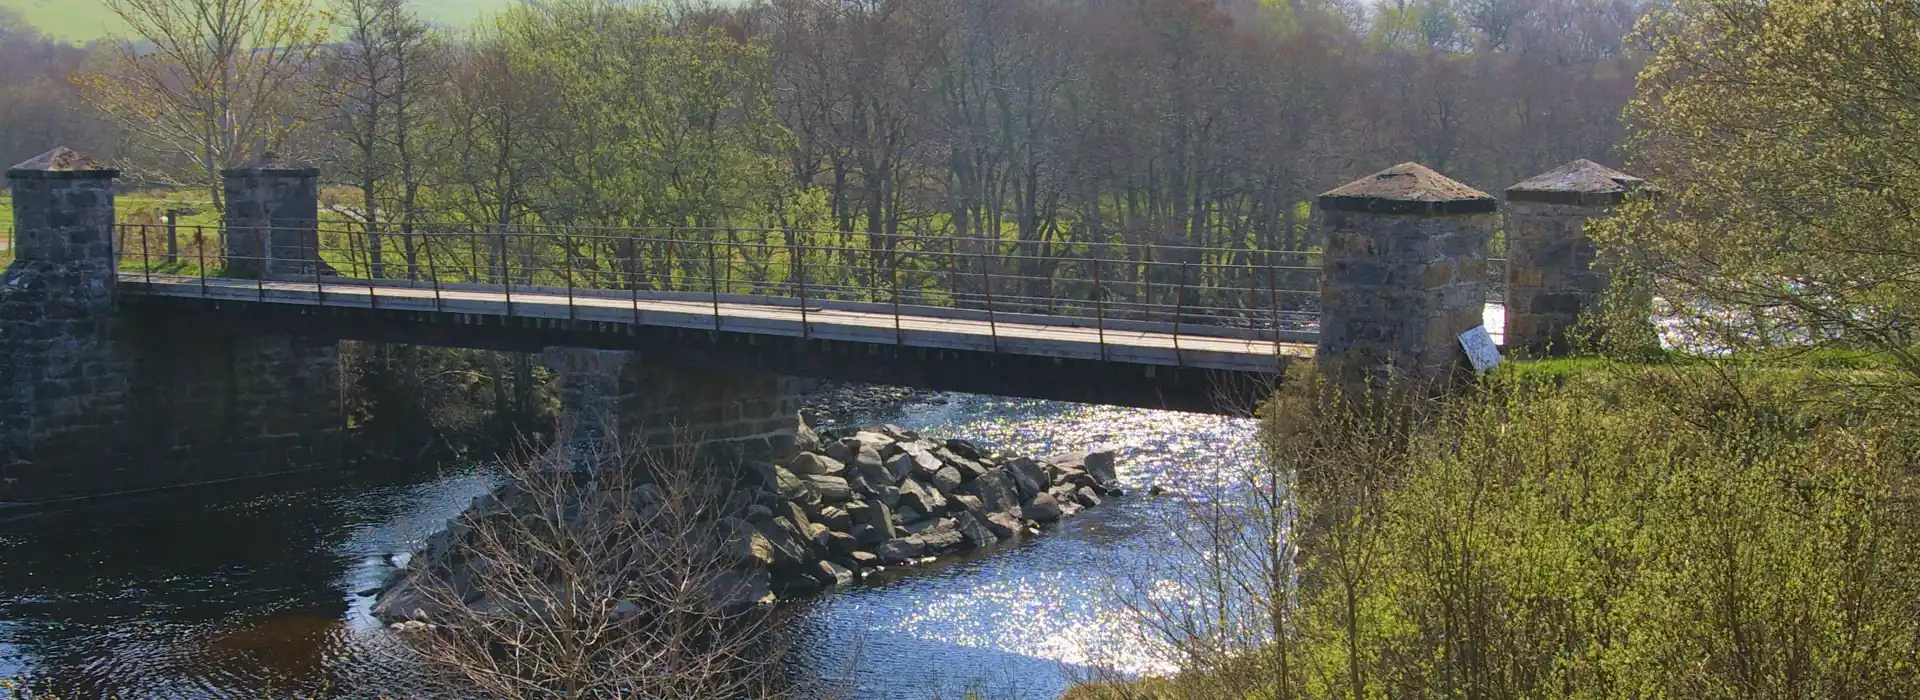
column 97, row 402
column 1553, row 271
column 1404, row 274
column 272, row 221
column 605, row 392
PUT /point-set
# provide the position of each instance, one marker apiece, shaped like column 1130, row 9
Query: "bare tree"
column 601, row 571
column 207, row 84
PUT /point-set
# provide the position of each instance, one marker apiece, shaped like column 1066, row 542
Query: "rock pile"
column 822, row 513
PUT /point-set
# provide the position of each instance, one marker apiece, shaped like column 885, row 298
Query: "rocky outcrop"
column 831, row 509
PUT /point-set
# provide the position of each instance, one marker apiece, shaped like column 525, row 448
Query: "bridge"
column 110, row 326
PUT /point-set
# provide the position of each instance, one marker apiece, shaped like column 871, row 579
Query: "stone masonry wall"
column 603, row 391
column 271, row 221
column 1397, row 290
column 99, row 401
column 1551, row 277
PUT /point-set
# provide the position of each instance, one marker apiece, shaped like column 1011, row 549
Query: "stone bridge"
column 126, row 368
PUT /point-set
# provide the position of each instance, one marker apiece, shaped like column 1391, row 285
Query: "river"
column 254, row 589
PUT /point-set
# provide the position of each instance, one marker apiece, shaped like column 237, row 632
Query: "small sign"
column 1480, row 349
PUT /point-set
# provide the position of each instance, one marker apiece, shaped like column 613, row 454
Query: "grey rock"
column 757, row 513
column 973, row 533
column 1101, row 466
column 1086, row 496
column 1004, row 525
column 840, row 544
column 834, row 518
column 921, row 497
column 997, row 491
column 839, row 575
column 869, row 464
column 792, row 488
column 910, row 514
column 810, row 464
column 900, row 467
column 859, row 510
column 924, row 461
column 870, row 439
column 944, row 536
column 1043, row 508
column 970, row 503
column 902, row 549
column 868, row 535
column 840, row 451
column 741, row 543
column 1028, row 476
column 784, row 537
column 832, row 489
column 920, row 526
column 947, row 480
column 964, row 448
column 898, row 433
column 735, row 590
column 888, row 495
column 865, row 560
column 805, row 440
column 797, row 517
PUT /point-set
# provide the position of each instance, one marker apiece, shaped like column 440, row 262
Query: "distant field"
column 83, row 20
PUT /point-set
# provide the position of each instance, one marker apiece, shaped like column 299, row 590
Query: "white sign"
column 1480, row 349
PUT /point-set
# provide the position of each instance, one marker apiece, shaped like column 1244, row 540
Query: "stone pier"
column 272, row 221
column 1551, row 273
column 1403, row 275
column 614, row 392
column 97, row 402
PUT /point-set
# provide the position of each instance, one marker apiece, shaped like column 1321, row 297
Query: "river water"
column 254, row 590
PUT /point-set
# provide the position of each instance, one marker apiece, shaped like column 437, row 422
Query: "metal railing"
column 1228, row 292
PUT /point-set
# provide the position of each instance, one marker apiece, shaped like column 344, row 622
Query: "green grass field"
column 85, row 20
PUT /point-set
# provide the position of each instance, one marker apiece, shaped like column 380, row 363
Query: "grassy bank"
column 1592, row 529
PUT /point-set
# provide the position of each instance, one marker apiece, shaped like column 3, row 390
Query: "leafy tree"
column 1783, row 137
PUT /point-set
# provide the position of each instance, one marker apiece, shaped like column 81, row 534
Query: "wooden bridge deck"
column 913, row 326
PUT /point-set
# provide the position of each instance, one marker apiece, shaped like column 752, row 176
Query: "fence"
column 1193, row 289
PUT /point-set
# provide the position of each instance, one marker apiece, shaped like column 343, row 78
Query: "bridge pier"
column 1404, row 274
column 272, row 221
column 97, row 401
column 1552, row 277
column 615, row 392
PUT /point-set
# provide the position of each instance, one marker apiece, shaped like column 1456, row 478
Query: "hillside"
column 83, row 20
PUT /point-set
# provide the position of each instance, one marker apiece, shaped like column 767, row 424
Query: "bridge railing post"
column 1179, row 310
column 1100, row 306
column 566, row 254
column 800, row 273
column 146, row 261
column 506, row 271
column 986, row 286
column 433, row 273
column 713, row 280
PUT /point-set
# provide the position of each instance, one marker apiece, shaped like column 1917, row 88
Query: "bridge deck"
column 911, row 327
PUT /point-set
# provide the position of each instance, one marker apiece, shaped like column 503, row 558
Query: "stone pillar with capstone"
column 1553, row 275
column 1403, row 275
column 272, row 221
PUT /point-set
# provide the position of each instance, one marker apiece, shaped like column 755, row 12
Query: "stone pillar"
column 605, row 392
column 96, row 401
column 61, row 379
column 272, row 221
column 1551, row 276
column 1403, row 275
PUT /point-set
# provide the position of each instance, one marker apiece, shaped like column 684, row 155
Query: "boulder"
column 1043, row 508
column 969, row 503
column 997, row 491
column 820, row 537
column 867, row 461
column 921, row 497
column 910, row 514
column 834, row 517
column 791, row 487
column 404, row 602
column 973, row 533
column 919, row 526
column 868, row 438
column 924, row 462
column 859, row 510
column 832, row 489
column 759, row 472
column 1075, row 477
column 865, row 560
column 898, row 433
column 737, row 590
column 900, row 467
column 964, row 448
column 840, row 451
column 902, row 549
column 796, row 517
column 1028, row 476
column 810, row 464
column 839, row 575
column 741, row 544
column 1101, row 466
column 859, row 483
column 868, row 535
column 944, row 536
column 784, row 537
column 888, row 495
column 804, row 439
column 947, row 480
column 756, row 513
column 840, row 544
column 1086, row 496
column 1004, row 525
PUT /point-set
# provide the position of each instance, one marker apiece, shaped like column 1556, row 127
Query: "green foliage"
column 87, row 20
column 1678, row 530
column 1780, row 135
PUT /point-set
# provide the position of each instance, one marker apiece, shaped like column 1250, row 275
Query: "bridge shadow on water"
column 245, row 589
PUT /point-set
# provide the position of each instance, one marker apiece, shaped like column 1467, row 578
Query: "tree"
column 378, row 84
column 206, row 84
column 1781, row 135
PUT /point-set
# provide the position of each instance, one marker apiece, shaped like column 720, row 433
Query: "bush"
column 1674, row 531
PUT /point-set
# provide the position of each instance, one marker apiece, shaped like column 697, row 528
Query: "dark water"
column 253, row 591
